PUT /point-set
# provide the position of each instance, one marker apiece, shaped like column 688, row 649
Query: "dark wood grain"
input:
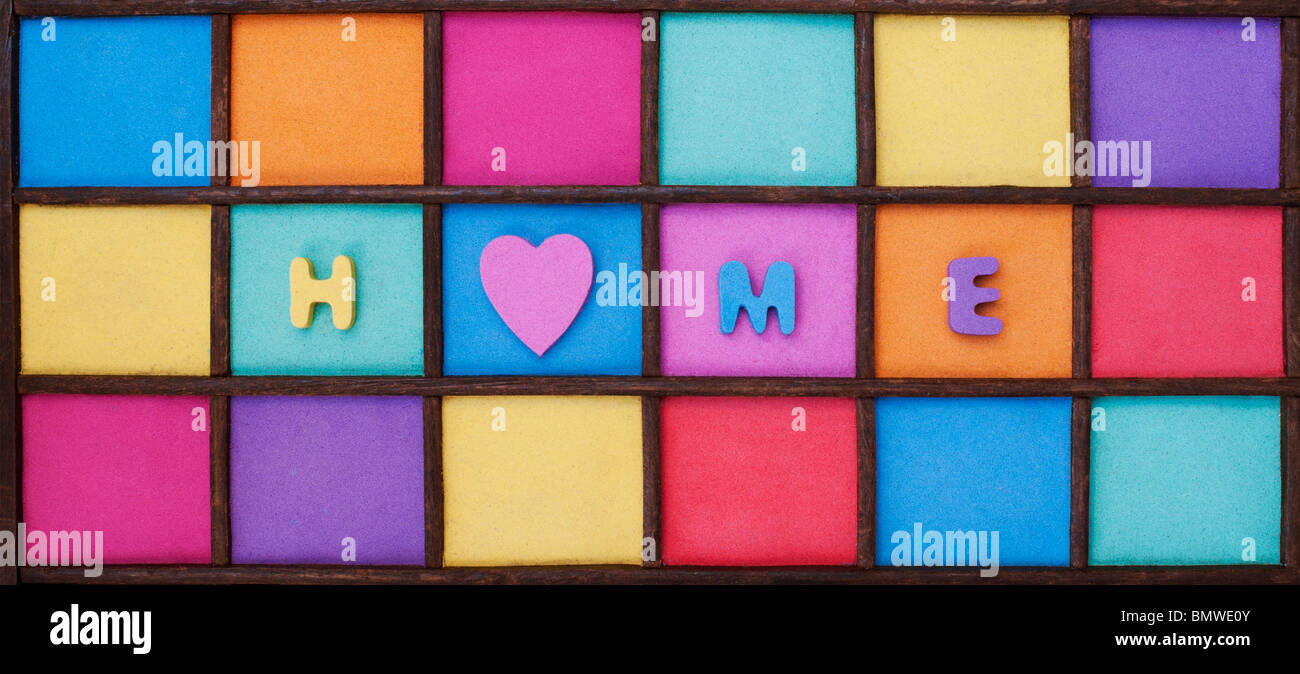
column 650, row 316
column 1204, row 196
column 432, row 98
column 1081, row 292
column 433, row 492
column 219, row 477
column 1080, row 92
column 9, row 422
column 865, row 59
column 1129, row 7
column 650, row 103
column 866, row 423
column 648, row 386
column 220, row 91
column 866, row 292
column 219, row 308
column 1080, row 467
column 626, row 575
column 432, row 290
column 1290, row 151
column 1291, row 485
column 651, row 479
column 1291, row 289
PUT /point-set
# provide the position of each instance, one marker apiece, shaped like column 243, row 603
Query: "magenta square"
column 559, row 92
column 819, row 241
column 312, row 477
column 133, row 467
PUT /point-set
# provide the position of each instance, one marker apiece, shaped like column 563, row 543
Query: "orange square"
column 326, row 109
column 914, row 245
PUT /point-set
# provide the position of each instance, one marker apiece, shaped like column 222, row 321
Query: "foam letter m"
column 735, row 292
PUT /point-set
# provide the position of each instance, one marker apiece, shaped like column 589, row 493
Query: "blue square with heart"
column 541, row 289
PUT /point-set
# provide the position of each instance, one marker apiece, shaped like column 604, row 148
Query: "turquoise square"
column 739, row 92
column 385, row 242
column 1185, row 480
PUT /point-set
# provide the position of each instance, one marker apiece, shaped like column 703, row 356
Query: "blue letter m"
column 735, row 292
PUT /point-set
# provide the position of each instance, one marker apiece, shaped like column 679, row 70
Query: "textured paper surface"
column 130, row 466
column 739, row 92
column 561, row 485
column 131, row 289
column 330, row 112
column 385, row 242
column 1167, row 292
column 742, row 487
column 1182, row 480
column 601, row 340
column 1209, row 102
column 819, row 241
column 560, row 92
column 981, row 464
column 92, row 102
column 974, row 111
column 914, row 245
column 308, row 472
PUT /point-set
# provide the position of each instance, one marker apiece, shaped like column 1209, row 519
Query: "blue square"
column 96, row 94
column 975, row 464
column 385, row 242
column 601, row 339
column 757, row 99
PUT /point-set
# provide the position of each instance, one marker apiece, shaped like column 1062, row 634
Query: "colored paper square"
column 531, row 480
column 914, row 245
column 759, row 481
column 1207, row 98
column 385, row 243
column 115, row 289
column 973, row 110
column 603, row 338
column 974, row 465
column 313, row 479
column 326, row 110
column 757, row 99
column 96, row 94
column 132, row 467
column 1186, row 292
column 1185, row 480
column 818, row 241
column 541, row 98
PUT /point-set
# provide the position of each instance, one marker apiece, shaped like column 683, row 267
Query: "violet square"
column 1207, row 99
column 818, row 240
column 307, row 472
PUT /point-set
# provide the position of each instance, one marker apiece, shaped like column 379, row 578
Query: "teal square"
column 739, row 92
column 1185, row 480
column 385, row 242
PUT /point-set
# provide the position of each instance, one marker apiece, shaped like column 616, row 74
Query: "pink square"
column 134, row 467
column 819, row 241
column 553, row 98
column 1172, row 289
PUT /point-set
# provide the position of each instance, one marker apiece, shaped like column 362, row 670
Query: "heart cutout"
column 537, row 290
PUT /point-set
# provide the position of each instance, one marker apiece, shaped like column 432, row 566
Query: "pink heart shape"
column 537, row 291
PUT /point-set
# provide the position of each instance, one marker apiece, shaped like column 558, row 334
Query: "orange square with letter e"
column 914, row 246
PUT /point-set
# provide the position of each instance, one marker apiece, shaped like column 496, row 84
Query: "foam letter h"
column 338, row 291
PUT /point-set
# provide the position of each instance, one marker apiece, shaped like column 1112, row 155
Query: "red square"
column 1186, row 292
column 743, row 487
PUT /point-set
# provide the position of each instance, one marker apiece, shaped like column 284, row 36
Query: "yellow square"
column 970, row 100
column 115, row 289
column 531, row 480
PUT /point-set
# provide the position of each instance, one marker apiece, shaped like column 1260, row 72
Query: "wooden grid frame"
column 651, row 386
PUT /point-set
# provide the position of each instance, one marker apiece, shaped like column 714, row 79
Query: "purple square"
column 307, row 473
column 1207, row 98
